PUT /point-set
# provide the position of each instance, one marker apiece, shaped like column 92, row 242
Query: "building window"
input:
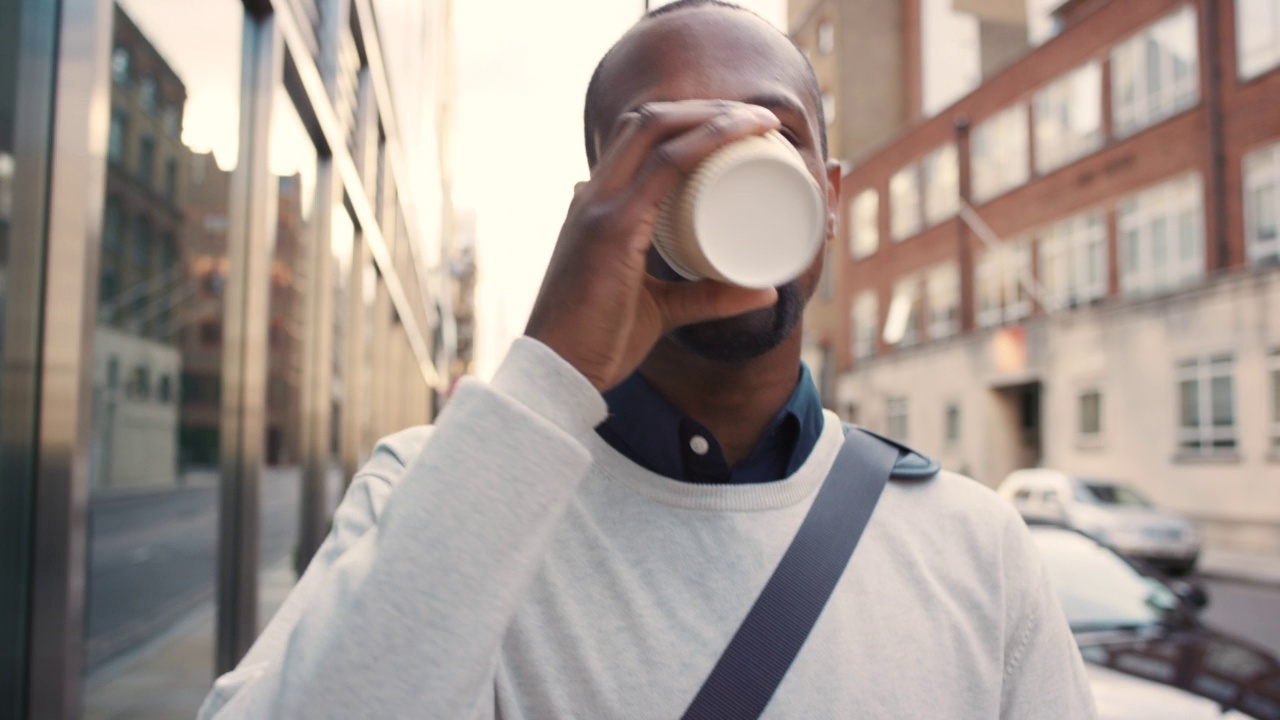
column 1090, row 414
column 1274, row 363
column 108, row 287
column 1262, row 204
column 904, row 203
column 1073, row 261
column 211, row 333
column 147, row 95
column 1068, row 117
column 142, row 243
column 168, row 253
column 140, row 383
column 826, row 37
column 1155, row 74
column 1000, row 278
column 998, row 152
column 165, row 392
column 1257, row 37
column 1207, row 413
column 172, row 121
column 828, row 108
column 112, row 226
column 942, row 293
column 171, row 179
column 953, row 424
column 895, row 418
column 1161, row 237
column 940, row 173
column 146, row 159
column 866, row 322
column 902, row 323
column 120, row 65
column 116, row 135
column 864, row 224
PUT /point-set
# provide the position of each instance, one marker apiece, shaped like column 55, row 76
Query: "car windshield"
column 1098, row 589
column 1105, row 493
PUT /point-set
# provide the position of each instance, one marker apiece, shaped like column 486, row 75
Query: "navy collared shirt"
column 651, row 432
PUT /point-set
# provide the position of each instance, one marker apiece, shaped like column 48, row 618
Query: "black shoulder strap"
column 753, row 665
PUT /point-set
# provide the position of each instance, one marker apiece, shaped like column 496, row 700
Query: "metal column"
column 77, row 177
column 251, row 227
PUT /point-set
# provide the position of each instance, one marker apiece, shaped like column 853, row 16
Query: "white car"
column 1111, row 512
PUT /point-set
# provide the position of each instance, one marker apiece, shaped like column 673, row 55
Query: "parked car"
column 1148, row 654
column 1112, row 512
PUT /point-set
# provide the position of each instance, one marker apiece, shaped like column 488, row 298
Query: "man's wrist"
column 539, row 378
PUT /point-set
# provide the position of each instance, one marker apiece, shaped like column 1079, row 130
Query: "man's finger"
column 685, row 303
column 638, row 132
column 673, row 159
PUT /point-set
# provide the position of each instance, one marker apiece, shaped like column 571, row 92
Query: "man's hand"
column 598, row 308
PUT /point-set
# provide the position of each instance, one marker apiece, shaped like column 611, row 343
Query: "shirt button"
column 699, row 444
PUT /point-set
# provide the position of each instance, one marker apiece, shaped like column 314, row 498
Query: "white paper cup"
column 750, row 215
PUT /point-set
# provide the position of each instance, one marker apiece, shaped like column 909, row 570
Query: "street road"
column 153, row 557
column 1249, row 611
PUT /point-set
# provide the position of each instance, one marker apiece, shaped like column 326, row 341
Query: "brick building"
column 1074, row 265
column 141, row 280
column 924, row 53
column 204, row 252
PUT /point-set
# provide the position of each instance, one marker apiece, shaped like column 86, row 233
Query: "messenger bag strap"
column 767, row 642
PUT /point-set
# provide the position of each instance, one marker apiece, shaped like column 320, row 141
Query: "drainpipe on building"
column 964, row 252
column 1217, row 150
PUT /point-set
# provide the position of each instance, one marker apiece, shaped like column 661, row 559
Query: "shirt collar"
column 650, row 431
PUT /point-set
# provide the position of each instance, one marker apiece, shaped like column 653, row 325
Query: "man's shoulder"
column 396, row 451
column 949, row 505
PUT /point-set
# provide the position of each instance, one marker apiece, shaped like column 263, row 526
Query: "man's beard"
column 744, row 337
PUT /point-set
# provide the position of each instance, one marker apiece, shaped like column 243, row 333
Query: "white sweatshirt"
column 508, row 563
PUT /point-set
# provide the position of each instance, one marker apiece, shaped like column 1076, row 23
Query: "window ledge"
column 1222, row 457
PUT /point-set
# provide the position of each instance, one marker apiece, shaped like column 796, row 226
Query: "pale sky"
column 523, row 68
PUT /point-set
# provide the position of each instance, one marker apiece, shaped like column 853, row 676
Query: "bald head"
column 704, row 49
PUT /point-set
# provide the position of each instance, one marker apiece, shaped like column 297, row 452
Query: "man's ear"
column 835, row 175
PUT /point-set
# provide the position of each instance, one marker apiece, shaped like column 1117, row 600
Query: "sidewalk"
column 169, row 677
column 1242, row 567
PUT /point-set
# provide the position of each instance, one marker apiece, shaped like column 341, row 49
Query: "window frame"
column 940, row 201
column 1068, row 252
column 909, row 286
column 1132, row 112
column 1260, row 170
column 906, row 218
column 864, row 224
column 1055, row 107
column 826, row 37
column 1205, row 438
column 952, row 412
column 1165, row 203
column 942, row 300
column 1269, row 58
column 1007, row 265
column 1083, row 430
column 996, row 166
column 866, row 305
column 121, row 72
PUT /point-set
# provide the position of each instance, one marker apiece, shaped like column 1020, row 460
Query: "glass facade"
column 253, row 319
column 25, row 103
